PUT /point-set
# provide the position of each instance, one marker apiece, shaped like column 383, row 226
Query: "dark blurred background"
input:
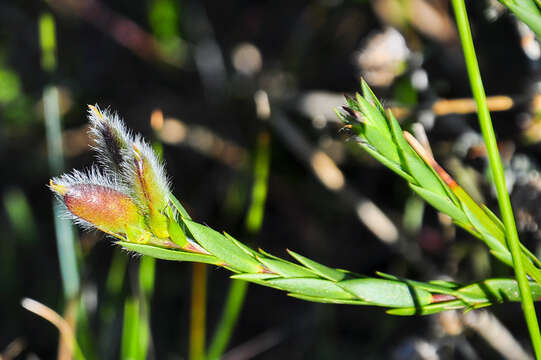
column 204, row 81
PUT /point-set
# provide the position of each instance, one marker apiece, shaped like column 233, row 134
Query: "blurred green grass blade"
column 115, row 275
column 254, row 217
column 130, row 330
column 147, row 270
column 167, row 254
column 47, row 40
column 232, row 308
column 65, row 234
column 254, row 221
column 20, row 215
column 198, row 312
column 412, row 218
column 387, row 293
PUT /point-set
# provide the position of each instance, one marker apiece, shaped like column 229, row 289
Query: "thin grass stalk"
column 233, row 306
column 130, row 329
column 198, row 312
column 254, row 221
column 496, row 167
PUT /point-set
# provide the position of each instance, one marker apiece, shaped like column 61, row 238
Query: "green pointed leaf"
column 382, row 142
column 448, row 284
column 286, row 269
column 177, row 205
column 478, row 217
column 269, row 255
column 527, row 16
column 327, row 300
column 442, row 204
column 427, row 309
column 387, row 292
column 495, row 244
column 370, row 97
column 498, row 290
column 311, row 287
column 373, row 116
column 221, row 247
column 353, row 104
column 167, row 254
column 430, row 287
column 176, row 233
column 250, row 277
column 503, row 256
column 495, row 219
column 243, row 247
column 386, row 162
column 322, row 270
column 417, row 167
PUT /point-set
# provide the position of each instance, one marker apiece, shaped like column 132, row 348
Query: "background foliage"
column 201, row 64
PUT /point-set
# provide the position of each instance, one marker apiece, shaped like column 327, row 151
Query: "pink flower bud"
column 98, row 206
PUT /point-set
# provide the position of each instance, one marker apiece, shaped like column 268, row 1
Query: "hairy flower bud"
column 112, row 139
column 150, row 187
column 97, row 205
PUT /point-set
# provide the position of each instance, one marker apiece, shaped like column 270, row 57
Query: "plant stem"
column 198, row 312
column 497, row 172
column 232, row 309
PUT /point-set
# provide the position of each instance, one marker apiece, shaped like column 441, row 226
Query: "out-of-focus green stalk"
column 130, row 330
column 65, row 234
column 497, row 172
column 254, row 220
column 230, row 315
column 147, row 268
column 198, row 312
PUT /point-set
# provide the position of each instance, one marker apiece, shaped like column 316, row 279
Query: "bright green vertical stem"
column 147, row 269
column 497, row 172
column 130, row 330
column 232, row 308
column 254, row 220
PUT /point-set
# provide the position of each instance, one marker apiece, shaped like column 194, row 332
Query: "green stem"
column 232, row 308
column 497, row 172
column 198, row 312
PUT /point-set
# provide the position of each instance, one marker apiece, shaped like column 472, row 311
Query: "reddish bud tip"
column 103, row 207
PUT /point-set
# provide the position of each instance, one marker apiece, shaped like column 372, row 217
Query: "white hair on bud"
column 114, row 147
column 92, row 176
column 112, row 139
column 157, row 166
column 130, row 173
